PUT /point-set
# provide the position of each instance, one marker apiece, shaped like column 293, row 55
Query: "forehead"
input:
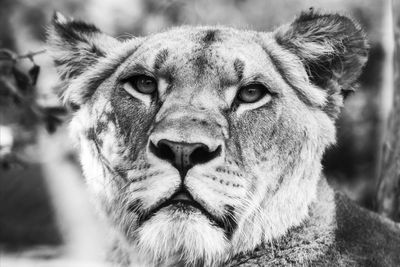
column 203, row 50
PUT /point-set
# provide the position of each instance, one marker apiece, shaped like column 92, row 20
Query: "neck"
column 302, row 244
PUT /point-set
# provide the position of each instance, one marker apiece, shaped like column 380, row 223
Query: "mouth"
column 182, row 201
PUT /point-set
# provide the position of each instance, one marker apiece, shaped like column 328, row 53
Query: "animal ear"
column 76, row 46
column 332, row 48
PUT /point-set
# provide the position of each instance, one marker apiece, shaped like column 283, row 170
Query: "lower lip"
column 188, row 206
column 183, row 203
column 184, row 206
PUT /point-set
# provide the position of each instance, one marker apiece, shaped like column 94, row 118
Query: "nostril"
column 163, row 151
column 202, row 154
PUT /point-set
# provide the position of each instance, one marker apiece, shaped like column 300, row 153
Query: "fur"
column 263, row 182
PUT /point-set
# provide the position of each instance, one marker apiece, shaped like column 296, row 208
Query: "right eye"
column 143, row 84
column 251, row 93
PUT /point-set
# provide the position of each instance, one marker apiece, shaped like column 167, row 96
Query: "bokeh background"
column 45, row 213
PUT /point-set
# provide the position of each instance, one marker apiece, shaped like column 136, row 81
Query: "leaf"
column 34, row 74
column 52, row 117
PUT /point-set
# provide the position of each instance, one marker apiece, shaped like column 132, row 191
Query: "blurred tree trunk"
column 389, row 187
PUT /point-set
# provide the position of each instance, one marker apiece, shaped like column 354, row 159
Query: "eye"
column 143, row 84
column 251, row 93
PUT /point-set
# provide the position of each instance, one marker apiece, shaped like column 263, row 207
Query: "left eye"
column 251, row 93
column 143, row 84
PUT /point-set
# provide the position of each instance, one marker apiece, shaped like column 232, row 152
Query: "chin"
column 181, row 233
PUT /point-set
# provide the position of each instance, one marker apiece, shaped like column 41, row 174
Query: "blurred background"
column 45, row 212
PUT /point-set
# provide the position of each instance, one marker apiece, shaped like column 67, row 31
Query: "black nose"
column 183, row 156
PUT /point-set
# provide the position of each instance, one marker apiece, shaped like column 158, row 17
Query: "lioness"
column 203, row 145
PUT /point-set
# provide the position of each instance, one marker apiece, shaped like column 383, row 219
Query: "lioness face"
column 199, row 142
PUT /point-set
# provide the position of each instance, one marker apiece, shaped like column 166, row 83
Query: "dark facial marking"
column 200, row 63
column 238, row 65
column 90, row 134
column 103, row 120
column 200, row 60
column 161, row 57
column 210, row 37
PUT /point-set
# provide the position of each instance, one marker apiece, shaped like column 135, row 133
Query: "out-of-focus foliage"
column 20, row 113
column 26, row 216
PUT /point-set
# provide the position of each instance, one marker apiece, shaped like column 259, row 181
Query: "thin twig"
column 14, row 57
column 31, row 54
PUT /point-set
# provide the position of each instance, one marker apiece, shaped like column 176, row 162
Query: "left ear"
column 76, row 45
column 332, row 48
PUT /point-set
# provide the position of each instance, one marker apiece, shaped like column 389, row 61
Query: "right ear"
column 76, row 46
column 333, row 49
